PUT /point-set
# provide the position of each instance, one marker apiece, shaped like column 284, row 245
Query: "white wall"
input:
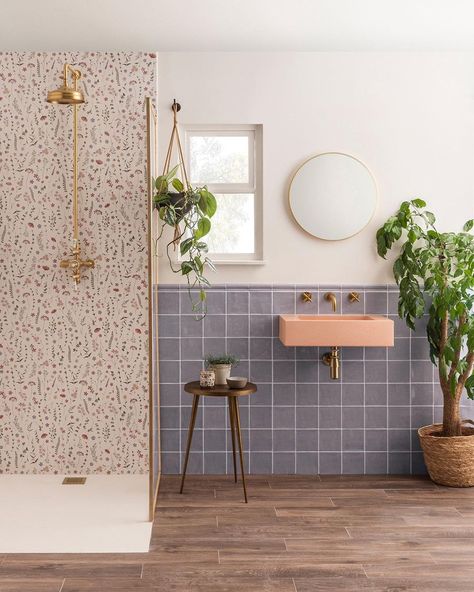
column 409, row 116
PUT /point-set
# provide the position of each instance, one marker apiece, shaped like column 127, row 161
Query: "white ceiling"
column 236, row 25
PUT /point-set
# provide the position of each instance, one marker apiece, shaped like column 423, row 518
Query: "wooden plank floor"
column 297, row 534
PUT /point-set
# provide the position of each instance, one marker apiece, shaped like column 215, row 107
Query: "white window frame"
column 254, row 185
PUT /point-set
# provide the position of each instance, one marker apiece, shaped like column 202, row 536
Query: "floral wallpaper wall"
column 73, row 364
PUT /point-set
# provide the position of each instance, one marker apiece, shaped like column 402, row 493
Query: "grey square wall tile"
column 284, row 371
column 375, row 394
column 307, row 417
column 352, row 394
column 422, row 394
column 398, row 371
column 421, row 415
column 190, row 327
column 330, row 440
column 261, row 417
column 307, row 394
column 422, row 371
column 399, row 463
column 169, row 395
column 261, row 348
column 214, row 440
column 237, row 325
column 306, row 371
column 375, row 353
column 307, row 440
column 375, row 371
column 190, row 370
column 284, row 463
column 283, row 440
column 376, row 463
column 353, row 463
column 168, row 326
column 215, row 302
column 263, row 396
column 261, row 371
column 284, row 394
column 214, row 325
column 169, row 348
column 398, row 394
column 400, row 350
column 376, row 417
column 329, row 417
column 330, row 463
column 261, row 302
column 238, row 346
column 214, row 463
column 330, row 393
column 352, row 417
column 401, row 329
column 353, row 440
column 376, row 302
column 170, row 463
column 399, row 440
column 170, row 440
column 348, row 307
column 283, row 352
column 352, row 371
column 307, row 463
column 168, row 302
column 398, row 417
column 260, row 463
column 284, row 302
column 260, row 326
column 237, row 302
column 169, row 417
column 418, row 466
column 215, row 346
column 284, row 417
column 261, row 440
column 191, row 349
column 376, row 440
column 215, row 417
column 352, row 353
column 169, row 371
column 420, row 349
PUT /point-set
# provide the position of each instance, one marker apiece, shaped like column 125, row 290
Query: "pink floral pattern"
column 74, row 364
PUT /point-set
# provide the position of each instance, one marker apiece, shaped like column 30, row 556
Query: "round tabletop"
column 219, row 390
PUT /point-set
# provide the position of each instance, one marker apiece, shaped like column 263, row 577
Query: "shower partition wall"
column 154, row 382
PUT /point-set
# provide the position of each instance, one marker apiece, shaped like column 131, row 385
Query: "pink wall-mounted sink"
column 336, row 330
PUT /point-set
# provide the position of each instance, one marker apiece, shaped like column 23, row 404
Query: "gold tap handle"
column 354, row 297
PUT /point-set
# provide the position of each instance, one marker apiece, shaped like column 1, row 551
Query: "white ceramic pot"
column 222, row 372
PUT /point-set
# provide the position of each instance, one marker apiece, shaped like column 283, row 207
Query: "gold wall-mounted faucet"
column 75, row 263
column 331, row 297
column 332, row 360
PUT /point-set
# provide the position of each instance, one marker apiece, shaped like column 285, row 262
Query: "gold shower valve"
column 75, row 263
column 307, row 297
column 354, row 297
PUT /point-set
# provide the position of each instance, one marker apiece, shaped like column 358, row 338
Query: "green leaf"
column 186, row 245
column 161, row 184
column 186, row 268
column 177, row 185
column 211, row 204
column 418, row 203
column 430, row 217
column 469, row 224
column 203, row 227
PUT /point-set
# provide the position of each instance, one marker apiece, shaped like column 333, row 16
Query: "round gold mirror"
column 333, row 196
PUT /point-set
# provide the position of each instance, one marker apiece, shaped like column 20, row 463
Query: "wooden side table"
column 232, row 397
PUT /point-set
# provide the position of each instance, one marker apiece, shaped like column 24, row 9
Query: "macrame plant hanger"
column 175, row 107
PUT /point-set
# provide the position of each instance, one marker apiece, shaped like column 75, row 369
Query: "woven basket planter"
column 449, row 460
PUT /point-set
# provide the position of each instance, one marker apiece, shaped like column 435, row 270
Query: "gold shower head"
column 67, row 95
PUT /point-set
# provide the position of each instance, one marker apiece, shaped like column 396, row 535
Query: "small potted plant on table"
column 221, row 365
column 438, row 268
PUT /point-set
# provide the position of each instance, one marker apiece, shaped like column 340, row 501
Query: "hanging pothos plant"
column 188, row 211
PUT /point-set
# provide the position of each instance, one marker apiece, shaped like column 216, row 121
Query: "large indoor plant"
column 187, row 211
column 435, row 270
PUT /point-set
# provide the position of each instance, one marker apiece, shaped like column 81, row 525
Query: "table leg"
column 239, row 438
column 192, row 421
column 232, row 431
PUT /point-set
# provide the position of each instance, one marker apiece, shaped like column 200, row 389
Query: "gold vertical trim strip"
column 151, row 121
